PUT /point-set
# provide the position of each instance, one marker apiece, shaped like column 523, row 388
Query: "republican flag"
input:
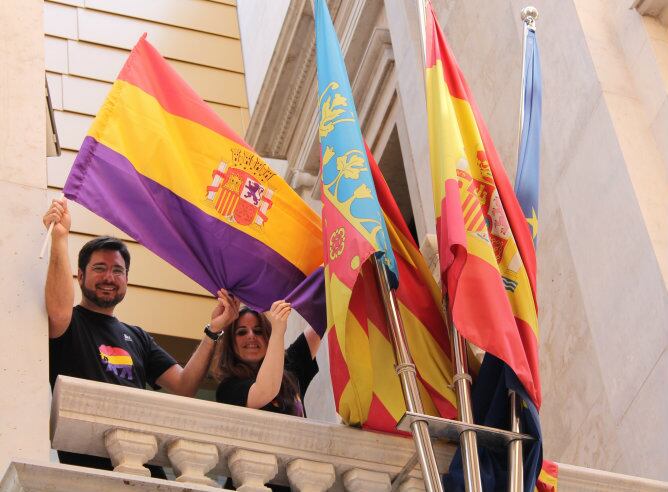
column 487, row 258
column 162, row 166
column 361, row 219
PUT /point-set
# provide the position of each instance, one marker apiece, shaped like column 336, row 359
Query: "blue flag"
column 528, row 159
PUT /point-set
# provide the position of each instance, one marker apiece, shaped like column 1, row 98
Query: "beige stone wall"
column 24, row 411
column 86, row 42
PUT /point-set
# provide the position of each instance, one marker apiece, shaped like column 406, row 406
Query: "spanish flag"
column 360, row 220
column 487, row 259
column 162, row 166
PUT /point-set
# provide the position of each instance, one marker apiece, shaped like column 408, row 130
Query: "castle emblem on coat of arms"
column 238, row 196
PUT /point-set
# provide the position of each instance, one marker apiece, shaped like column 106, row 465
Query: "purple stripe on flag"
column 206, row 249
column 308, row 299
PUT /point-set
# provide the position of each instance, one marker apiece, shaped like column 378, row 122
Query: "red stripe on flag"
column 161, row 81
column 380, row 419
column 445, row 408
column 413, row 294
column 338, row 369
column 494, row 328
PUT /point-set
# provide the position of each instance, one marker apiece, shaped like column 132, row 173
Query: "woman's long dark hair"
column 225, row 364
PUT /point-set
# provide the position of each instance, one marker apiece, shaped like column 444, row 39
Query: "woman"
column 253, row 368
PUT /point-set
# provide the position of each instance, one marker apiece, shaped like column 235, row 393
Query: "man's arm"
column 59, row 291
column 186, row 380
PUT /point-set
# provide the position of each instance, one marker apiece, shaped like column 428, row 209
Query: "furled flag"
column 162, row 166
column 487, row 258
column 548, row 478
column 361, row 219
column 527, row 180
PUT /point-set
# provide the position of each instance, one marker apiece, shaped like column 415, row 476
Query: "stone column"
column 311, row 476
column 251, row 470
column 129, row 450
column 23, row 353
column 193, row 460
column 358, row 480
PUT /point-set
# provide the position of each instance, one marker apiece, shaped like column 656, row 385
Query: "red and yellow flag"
column 366, row 388
column 485, row 247
column 548, row 478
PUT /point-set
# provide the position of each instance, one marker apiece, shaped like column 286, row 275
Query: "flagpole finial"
column 529, row 16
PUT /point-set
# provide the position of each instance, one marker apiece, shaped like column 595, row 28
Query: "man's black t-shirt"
column 298, row 361
column 101, row 348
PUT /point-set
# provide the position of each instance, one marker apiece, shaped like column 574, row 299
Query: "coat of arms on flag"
column 238, row 196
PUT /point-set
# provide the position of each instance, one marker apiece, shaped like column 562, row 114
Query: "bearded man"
column 87, row 341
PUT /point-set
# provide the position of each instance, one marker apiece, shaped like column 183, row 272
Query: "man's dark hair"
column 103, row 243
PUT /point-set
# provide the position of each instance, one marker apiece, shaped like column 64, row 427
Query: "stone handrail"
column 196, row 437
column 134, row 427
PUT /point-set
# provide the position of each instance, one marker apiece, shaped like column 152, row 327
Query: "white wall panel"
column 75, row 3
column 72, row 128
column 104, row 63
column 55, row 54
column 172, row 42
column 60, row 20
column 83, row 95
column 200, row 15
column 55, row 82
column 58, row 168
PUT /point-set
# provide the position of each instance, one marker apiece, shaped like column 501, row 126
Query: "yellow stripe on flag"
column 167, row 140
column 356, row 398
column 386, row 384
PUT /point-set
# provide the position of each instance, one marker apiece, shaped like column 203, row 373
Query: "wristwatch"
column 213, row 336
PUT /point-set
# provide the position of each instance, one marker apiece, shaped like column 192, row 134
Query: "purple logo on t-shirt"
column 117, row 361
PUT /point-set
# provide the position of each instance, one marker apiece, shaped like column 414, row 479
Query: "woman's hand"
column 225, row 312
column 278, row 316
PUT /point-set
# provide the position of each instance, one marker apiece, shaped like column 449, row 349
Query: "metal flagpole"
column 462, row 380
column 406, row 372
column 515, row 453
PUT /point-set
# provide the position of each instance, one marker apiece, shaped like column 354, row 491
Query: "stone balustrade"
column 201, row 439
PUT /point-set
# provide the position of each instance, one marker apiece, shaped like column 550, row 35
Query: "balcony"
column 199, row 439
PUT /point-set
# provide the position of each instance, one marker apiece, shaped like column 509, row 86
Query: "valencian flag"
column 528, row 159
column 487, row 259
column 361, row 219
column 162, row 166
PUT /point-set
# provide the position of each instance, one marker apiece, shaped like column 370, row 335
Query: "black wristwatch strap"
column 213, row 336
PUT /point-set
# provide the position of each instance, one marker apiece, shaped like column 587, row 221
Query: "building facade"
column 603, row 238
column 603, row 235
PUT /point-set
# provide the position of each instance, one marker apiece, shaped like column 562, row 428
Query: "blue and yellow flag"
column 347, row 186
column 361, row 219
column 527, row 181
